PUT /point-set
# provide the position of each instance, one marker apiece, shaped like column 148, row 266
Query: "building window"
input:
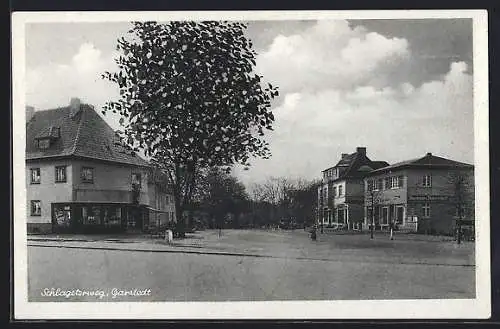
column 387, row 182
column 427, row 181
column 369, row 185
column 341, row 192
column 394, row 182
column 36, row 208
column 60, row 174
column 35, row 175
column 44, row 144
column 334, row 190
column 400, row 181
column 426, row 209
column 136, row 179
column 87, row 175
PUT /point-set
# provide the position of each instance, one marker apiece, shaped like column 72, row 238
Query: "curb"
column 236, row 254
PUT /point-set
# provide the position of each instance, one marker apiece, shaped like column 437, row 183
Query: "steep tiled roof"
column 357, row 160
column 85, row 134
column 379, row 164
column 428, row 161
column 357, row 164
column 347, row 160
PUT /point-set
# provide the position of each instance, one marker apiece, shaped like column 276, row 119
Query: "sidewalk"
column 130, row 240
column 276, row 244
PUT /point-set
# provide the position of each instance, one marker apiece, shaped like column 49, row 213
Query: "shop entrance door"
column 400, row 215
column 385, row 217
column 134, row 220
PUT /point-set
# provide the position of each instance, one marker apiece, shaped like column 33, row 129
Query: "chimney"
column 344, row 155
column 429, row 154
column 74, row 106
column 30, row 111
column 361, row 150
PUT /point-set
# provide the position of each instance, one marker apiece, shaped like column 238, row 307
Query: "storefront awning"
column 156, row 210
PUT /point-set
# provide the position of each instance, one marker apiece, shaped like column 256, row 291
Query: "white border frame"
column 477, row 308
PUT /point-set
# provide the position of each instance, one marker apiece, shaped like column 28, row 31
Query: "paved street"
column 255, row 265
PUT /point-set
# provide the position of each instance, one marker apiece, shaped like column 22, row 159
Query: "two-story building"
column 341, row 195
column 427, row 194
column 81, row 177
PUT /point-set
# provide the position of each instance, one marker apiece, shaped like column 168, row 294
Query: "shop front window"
column 340, row 216
column 400, row 211
column 132, row 218
column 112, row 216
column 91, row 215
column 62, row 215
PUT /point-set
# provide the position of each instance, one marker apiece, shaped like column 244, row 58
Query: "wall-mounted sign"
column 429, row 197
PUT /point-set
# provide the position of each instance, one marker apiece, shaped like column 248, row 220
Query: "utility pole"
column 372, row 228
column 459, row 195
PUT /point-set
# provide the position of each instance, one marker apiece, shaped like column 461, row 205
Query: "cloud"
column 53, row 84
column 395, row 123
column 88, row 59
column 329, row 54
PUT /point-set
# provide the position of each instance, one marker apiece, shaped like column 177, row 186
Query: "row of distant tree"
column 222, row 201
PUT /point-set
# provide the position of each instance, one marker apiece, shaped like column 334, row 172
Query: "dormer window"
column 117, row 140
column 54, row 132
column 45, row 138
column 44, row 143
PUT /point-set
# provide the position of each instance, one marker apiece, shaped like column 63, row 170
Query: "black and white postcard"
column 251, row 165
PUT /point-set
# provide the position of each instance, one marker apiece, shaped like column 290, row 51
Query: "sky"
column 400, row 88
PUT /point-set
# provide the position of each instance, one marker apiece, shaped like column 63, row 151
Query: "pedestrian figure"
column 391, row 226
column 313, row 233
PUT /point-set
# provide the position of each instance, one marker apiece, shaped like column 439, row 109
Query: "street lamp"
column 372, row 227
column 393, row 221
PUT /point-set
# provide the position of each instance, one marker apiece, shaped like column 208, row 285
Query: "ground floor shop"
column 427, row 216
column 106, row 217
column 343, row 216
column 382, row 216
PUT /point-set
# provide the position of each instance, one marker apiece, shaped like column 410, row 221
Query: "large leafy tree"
column 189, row 98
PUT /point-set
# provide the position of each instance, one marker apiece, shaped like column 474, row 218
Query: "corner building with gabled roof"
column 80, row 176
column 341, row 195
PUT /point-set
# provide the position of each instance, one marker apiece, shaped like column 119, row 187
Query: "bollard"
column 169, row 236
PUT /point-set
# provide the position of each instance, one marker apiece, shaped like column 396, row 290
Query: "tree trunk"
column 180, row 219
